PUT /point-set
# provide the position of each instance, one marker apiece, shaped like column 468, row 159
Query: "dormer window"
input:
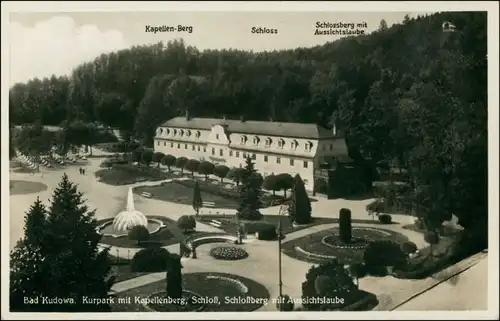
column 295, row 144
column 269, row 141
column 198, row 134
column 256, row 140
column 175, row 132
column 168, row 131
column 160, row 131
column 308, row 146
column 243, row 139
column 281, row 143
column 181, row 132
column 188, row 133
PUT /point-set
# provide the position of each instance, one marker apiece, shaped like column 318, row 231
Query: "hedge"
column 150, row 260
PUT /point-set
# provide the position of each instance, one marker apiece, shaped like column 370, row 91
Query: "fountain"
column 129, row 218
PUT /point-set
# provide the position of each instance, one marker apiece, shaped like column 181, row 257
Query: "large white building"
column 275, row 147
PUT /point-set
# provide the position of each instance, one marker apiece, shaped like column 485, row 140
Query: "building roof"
column 297, row 130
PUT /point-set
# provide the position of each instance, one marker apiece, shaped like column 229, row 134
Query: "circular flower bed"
column 229, row 253
column 336, row 242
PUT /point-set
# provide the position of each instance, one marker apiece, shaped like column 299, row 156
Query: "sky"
column 47, row 43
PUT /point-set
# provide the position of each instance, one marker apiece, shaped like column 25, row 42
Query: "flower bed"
column 228, row 253
column 335, row 242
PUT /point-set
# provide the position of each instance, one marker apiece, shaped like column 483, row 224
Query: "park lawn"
column 125, row 174
column 176, row 192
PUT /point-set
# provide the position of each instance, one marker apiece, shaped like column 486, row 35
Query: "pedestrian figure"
column 80, row 170
column 83, row 171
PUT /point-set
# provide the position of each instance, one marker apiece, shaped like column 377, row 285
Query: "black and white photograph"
column 288, row 159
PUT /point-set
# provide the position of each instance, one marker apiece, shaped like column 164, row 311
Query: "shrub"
column 345, row 227
column 381, row 254
column 138, row 233
column 328, row 280
column 284, row 303
column 228, row 253
column 300, row 208
column 186, row 222
column 409, row 247
column 266, row 232
column 357, row 270
column 431, row 237
column 154, row 259
column 385, row 219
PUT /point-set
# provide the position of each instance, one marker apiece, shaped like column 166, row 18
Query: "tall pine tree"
column 62, row 260
column 197, row 200
column 250, row 192
column 34, row 223
column 300, row 207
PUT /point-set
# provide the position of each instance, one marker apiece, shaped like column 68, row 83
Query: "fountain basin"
column 106, row 229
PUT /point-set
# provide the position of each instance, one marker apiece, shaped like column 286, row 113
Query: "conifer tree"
column 174, row 277
column 300, row 207
column 197, row 200
column 35, row 223
column 62, row 260
column 250, row 192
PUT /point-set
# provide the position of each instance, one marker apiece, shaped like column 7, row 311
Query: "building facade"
column 275, row 147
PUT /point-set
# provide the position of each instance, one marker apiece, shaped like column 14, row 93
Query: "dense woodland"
column 412, row 94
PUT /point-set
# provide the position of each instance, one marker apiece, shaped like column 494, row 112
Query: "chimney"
column 334, row 130
column 187, row 115
column 242, row 118
column 224, row 117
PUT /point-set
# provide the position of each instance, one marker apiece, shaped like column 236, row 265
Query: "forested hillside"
column 412, row 93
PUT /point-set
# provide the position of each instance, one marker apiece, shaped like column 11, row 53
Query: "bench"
column 208, row 204
column 146, row 194
column 215, row 223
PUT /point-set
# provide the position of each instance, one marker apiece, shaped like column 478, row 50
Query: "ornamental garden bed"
column 222, row 293
column 20, row 187
column 125, row 174
column 324, row 245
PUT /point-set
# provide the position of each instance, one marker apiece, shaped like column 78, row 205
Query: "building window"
column 331, row 146
column 305, row 182
column 291, row 162
column 181, row 132
column 188, row 133
column 281, row 143
column 237, row 154
column 278, row 160
column 204, row 149
column 295, row 144
column 306, row 163
column 174, row 132
column 199, row 148
column 254, row 157
column 269, row 141
column 158, row 143
column 243, row 139
column 178, row 145
column 217, row 136
column 221, row 152
column 256, row 140
column 244, row 155
column 265, row 158
column 198, row 134
column 194, row 147
column 168, row 131
column 308, row 146
column 164, row 143
column 213, row 151
column 172, row 145
column 231, row 153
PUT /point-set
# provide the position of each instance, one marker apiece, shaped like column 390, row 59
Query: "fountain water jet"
column 125, row 220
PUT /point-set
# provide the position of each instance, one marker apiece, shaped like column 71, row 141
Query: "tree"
column 147, row 157
column 34, row 223
column 383, row 25
column 197, row 200
column 221, row 171
column 284, row 181
column 270, row 183
column 66, row 257
column 181, row 163
column 345, row 228
column 192, row 165
column 136, row 155
column 206, row 168
column 236, row 174
column 157, row 157
column 300, row 207
column 250, row 193
column 138, row 233
column 168, row 160
column 174, row 277
column 34, row 140
column 12, row 148
column 186, row 223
